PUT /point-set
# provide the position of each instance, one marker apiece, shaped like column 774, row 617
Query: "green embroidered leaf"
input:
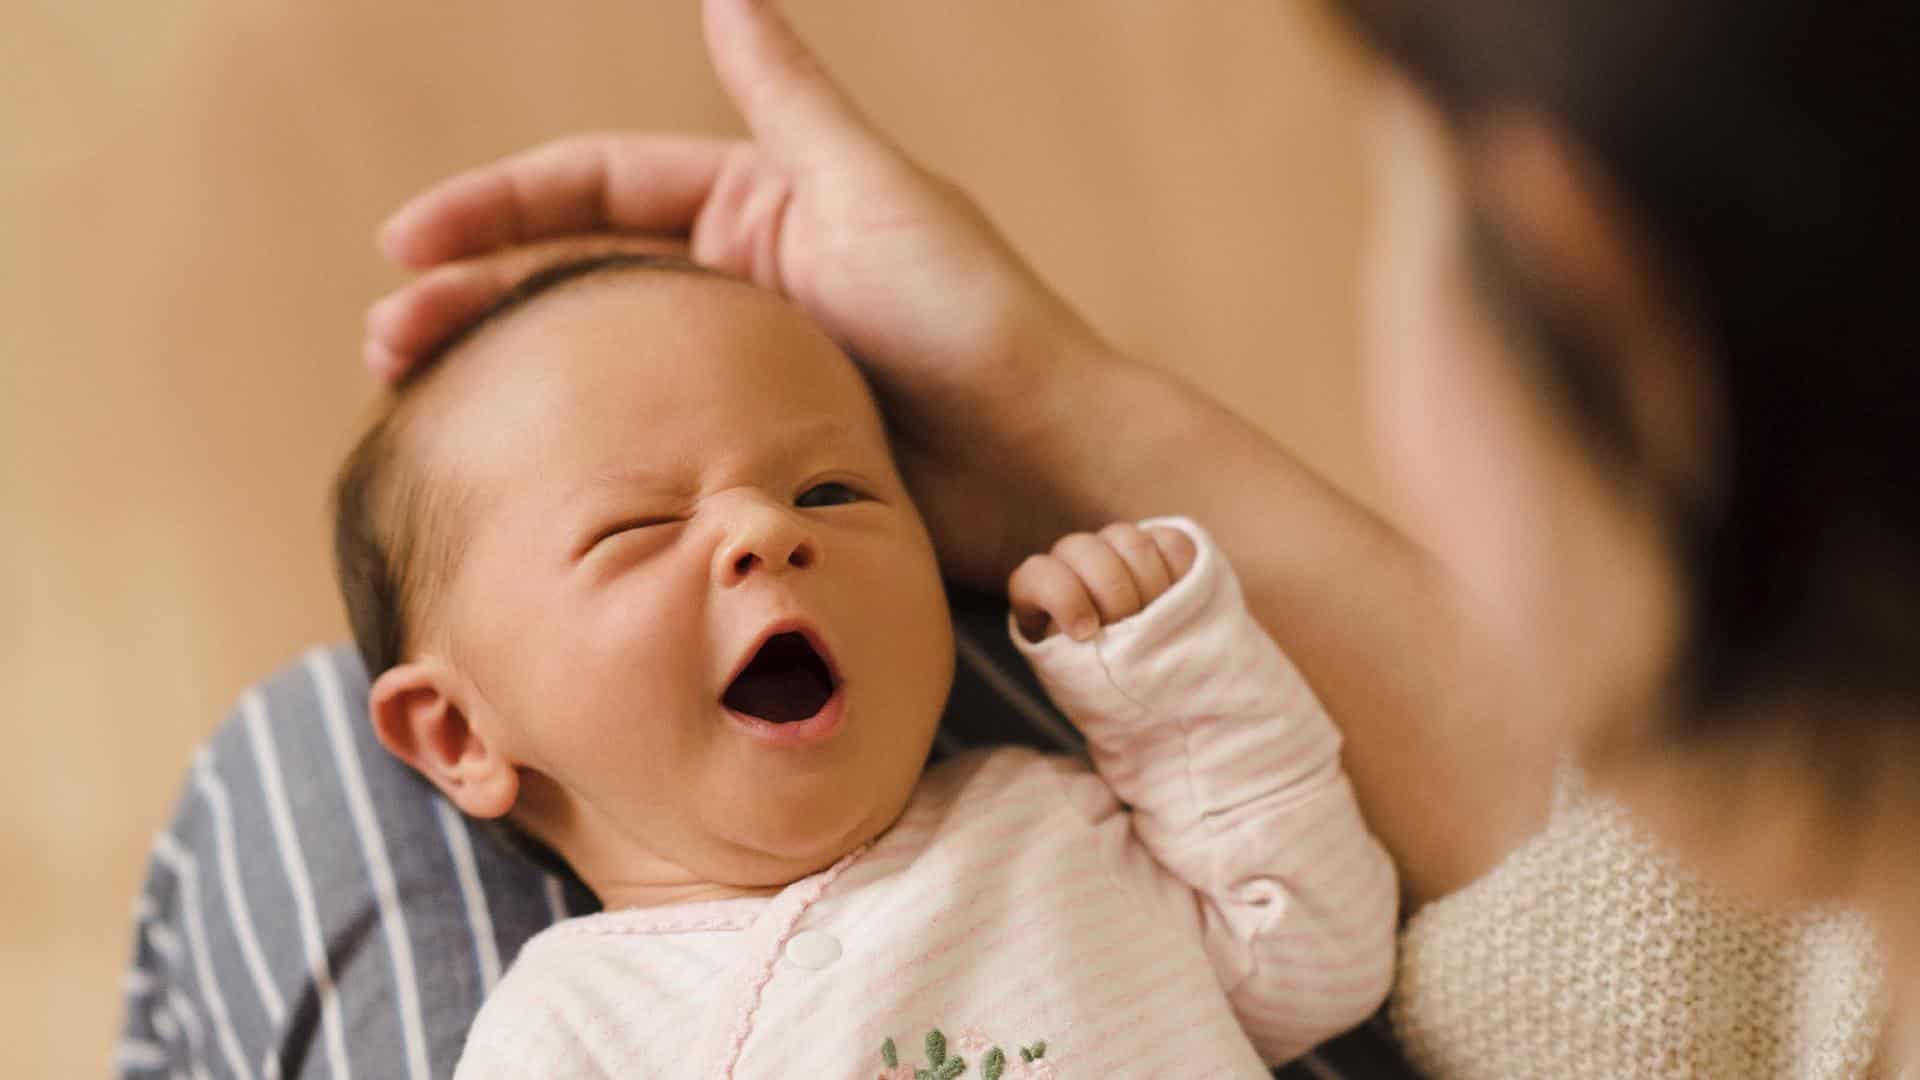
column 1039, row 1049
column 888, row 1055
column 1026, row 1055
column 993, row 1064
column 936, row 1049
column 954, row 1067
column 922, row 1074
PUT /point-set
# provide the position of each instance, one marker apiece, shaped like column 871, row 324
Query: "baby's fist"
column 1090, row 580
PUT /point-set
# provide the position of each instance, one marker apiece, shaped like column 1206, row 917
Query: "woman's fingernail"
column 398, row 243
column 380, row 313
column 380, row 360
column 386, row 237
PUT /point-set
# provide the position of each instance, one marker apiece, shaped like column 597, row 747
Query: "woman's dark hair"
column 1767, row 149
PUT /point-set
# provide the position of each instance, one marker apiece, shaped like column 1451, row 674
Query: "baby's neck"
column 619, row 895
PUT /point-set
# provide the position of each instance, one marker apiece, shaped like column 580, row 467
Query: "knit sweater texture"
column 1591, row 953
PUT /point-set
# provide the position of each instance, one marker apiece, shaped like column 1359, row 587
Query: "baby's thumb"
column 795, row 110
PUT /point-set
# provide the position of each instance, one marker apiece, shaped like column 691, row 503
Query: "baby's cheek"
column 635, row 650
column 898, row 596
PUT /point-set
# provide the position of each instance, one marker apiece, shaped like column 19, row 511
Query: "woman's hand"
column 1012, row 421
column 963, row 343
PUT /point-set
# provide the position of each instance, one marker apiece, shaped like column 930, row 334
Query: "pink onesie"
column 1202, row 900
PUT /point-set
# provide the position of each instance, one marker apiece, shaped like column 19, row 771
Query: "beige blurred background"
column 187, row 196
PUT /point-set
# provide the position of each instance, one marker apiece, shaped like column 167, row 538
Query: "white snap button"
column 812, row 949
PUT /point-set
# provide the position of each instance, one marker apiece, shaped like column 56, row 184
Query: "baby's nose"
column 764, row 538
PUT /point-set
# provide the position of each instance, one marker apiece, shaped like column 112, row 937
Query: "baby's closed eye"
column 624, row 528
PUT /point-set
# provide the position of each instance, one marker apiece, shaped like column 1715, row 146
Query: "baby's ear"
column 419, row 715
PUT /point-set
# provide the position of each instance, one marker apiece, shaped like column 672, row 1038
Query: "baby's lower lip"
column 815, row 729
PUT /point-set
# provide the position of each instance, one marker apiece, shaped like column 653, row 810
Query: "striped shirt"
column 1203, row 898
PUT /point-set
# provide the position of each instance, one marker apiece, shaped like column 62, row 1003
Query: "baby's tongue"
column 777, row 693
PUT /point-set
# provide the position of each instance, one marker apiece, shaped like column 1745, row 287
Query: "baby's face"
column 696, row 606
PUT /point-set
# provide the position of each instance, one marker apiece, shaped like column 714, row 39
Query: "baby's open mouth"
column 785, row 681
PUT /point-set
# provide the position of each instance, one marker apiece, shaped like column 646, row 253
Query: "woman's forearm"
column 1447, row 783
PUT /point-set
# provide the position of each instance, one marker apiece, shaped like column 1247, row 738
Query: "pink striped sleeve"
column 1232, row 770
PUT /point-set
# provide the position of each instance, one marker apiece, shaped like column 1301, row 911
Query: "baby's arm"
column 1230, row 766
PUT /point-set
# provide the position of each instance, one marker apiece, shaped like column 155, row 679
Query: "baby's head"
column 631, row 561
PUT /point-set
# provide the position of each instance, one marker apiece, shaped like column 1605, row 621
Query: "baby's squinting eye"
column 628, row 526
column 828, row 494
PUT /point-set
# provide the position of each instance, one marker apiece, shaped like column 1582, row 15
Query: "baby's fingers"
column 1046, row 596
column 1176, row 548
column 1151, row 574
column 1104, row 573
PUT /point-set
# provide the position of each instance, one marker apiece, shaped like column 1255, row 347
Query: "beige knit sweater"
column 1589, row 953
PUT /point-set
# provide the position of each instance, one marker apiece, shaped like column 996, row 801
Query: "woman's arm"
column 1445, row 780
column 1015, row 423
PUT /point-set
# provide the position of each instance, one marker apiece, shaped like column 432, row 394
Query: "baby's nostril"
column 744, row 563
column 802, row 556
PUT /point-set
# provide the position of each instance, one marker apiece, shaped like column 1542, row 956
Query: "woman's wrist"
column 991, row 441
column 1066, row 393
column 1111, row 455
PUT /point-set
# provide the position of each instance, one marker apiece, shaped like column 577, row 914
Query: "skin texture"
column 643, row 452
column 991, row 382
column 1530, row 612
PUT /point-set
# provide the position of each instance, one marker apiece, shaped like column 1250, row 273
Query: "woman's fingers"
column 655, row 183
column 406, row 324
column 412, row 321
column 797, row 113
column 582, row 183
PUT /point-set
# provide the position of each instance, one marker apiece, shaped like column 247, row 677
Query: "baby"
column 636, row 572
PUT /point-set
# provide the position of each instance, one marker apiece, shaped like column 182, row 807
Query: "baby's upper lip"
column 790, row 625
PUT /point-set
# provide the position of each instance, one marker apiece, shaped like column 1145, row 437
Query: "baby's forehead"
column 647, row 311
column 627, row 342
column 597, row 289
column 544, row 329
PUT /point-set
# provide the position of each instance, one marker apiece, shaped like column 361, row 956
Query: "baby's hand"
column 1090, row 580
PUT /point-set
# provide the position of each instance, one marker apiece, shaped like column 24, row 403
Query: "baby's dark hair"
column 398, row 532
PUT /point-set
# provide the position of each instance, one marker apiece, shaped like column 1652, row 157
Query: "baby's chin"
column 797, row 846
column 744, row 867
column 786, row 819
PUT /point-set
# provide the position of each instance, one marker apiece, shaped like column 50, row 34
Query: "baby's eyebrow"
column 676, row 481
column 635, row 477
column 831, row 429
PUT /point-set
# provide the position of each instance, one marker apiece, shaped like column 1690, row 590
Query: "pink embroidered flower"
column 898, row 1072
column 972, row 1040
column 1029, row 1070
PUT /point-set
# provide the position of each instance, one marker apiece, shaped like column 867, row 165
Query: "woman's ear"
column 419, row 716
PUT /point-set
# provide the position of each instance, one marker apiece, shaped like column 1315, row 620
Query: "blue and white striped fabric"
column 315, row 909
